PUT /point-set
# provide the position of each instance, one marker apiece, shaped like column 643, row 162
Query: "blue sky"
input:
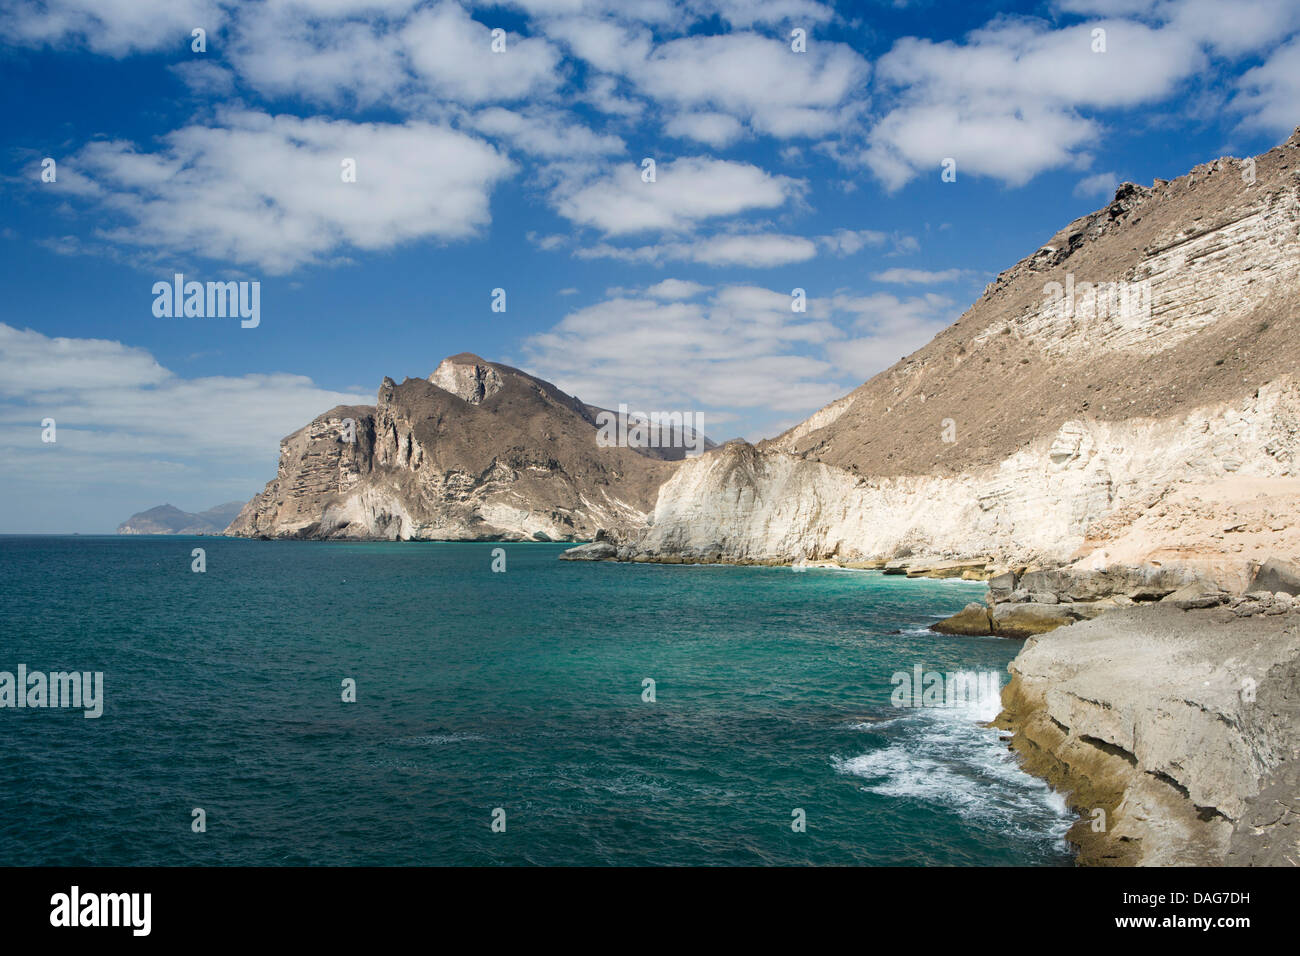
column 521, row 170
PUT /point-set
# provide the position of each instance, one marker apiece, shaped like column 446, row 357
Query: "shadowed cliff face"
column 477, row 451
column 1127, row 394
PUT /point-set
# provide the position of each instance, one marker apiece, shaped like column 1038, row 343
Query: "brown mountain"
column 477, row 451
column 168, row 519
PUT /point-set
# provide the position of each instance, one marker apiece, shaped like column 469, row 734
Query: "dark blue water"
column 478, row 690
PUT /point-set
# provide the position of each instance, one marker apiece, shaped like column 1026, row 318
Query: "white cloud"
column 737, row 350
column 918, row 276
column 640, row 11
column 279, row 52
column 267, row 191
column 438, row 54
column 1025, row 61
column 673, row 289
column 547, row 243
column 758, row 80
column 845, row 242
column 546, row 133
column 1269, row 93
column 746, row 13
column 716, row 129
column 607, row 45
column 684, row 193
column 1099, row 184
column 733, row 352
column 757, row 250
column 32, row 363
column 112, row 27
column 124, row 422
column 205, row 78
column 602, row 92
column 750, row 250
column 1014, row 98
column 452, row 53
column 891, row 327
column 1013, row 146
column 1231, row 29
column 1006, row 101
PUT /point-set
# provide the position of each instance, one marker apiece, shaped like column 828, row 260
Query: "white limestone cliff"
column 1039, row 434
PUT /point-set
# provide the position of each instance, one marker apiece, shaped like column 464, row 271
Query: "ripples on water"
column 476, row 691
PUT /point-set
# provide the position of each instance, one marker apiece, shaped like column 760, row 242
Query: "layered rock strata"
column 1044, row 429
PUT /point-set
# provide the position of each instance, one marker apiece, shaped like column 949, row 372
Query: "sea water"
column 556, row 712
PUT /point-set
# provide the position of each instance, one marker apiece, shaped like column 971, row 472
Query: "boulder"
column 1192, row 596
column 972, row 621
column 1006, row 581
column 596, row 551
column 1277, row 575
column 1028, row 620
column 1073, row 583
column 946, row 569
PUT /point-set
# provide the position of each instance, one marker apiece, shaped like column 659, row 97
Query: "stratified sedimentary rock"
column 1035, row 433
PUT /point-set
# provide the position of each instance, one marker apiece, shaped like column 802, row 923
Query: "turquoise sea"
column 476, row 691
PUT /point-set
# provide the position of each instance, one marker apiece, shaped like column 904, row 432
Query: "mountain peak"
column 468, row 377
column 464, row 358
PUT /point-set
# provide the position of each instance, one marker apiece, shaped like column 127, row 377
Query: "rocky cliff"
column 1126, row 394
column 1175, row 734
column 1116, row 422
column 476, row 451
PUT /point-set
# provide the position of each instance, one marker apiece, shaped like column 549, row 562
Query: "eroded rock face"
column 468, row 377
column 1034, row 434
column 480, row 451
column 1173, row 750
column 1139, row 492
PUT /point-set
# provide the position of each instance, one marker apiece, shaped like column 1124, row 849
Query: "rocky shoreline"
column 1161, row 704
column 1174, row 734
